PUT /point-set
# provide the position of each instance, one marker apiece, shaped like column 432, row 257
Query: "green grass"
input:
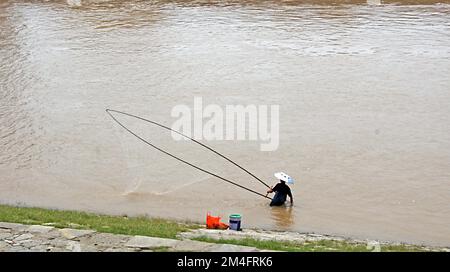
column 155, row 227
column 161, row 249
column 316, row 246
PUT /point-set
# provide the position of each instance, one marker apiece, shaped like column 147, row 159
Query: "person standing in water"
column 281, row 190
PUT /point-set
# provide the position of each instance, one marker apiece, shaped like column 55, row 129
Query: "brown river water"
column 363, row 89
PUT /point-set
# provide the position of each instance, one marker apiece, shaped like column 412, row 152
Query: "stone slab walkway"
column 260, row 235
column 265, row 235
column 35, row 238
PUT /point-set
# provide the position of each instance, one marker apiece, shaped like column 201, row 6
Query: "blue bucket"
column 235, row 222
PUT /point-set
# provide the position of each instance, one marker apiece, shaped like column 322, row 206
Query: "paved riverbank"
column 37, row 238
column 303, row 241
column 38, row 229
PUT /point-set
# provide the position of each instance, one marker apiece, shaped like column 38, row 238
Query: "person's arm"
column 272, row 189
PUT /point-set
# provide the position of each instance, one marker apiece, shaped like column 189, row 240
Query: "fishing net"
column 168, row 166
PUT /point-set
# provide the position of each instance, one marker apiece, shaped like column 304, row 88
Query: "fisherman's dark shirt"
column 282, row 189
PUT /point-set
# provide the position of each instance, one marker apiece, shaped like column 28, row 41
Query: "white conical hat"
column 284, row 177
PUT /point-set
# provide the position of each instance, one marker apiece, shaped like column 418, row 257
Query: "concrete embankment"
column 40, row 238
column 37, row 238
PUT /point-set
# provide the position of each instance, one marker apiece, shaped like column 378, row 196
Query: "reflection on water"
column 283, row 217
column 362, row 85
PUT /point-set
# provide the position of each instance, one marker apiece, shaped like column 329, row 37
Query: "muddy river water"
column 363, row 90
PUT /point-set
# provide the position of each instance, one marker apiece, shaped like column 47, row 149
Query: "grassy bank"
column 155, row 227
